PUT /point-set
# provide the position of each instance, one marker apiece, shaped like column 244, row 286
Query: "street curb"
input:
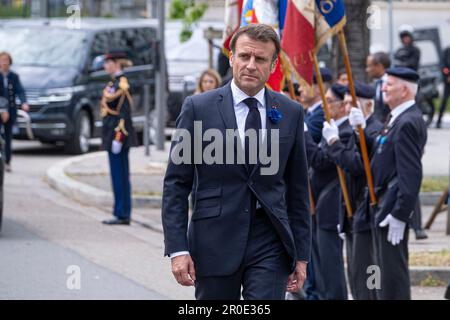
column 429, row 198
column 87, row 194
column 418, row 274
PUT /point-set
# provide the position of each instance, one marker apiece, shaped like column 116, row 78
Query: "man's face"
column 252, row 64
column 335, row 105
column 308, row 96
column 373, row 70
column 111, row 67
column 4, row 63
column 406, row 40
column 394, row 92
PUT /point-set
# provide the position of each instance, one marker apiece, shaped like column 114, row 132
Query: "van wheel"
column 79, row 143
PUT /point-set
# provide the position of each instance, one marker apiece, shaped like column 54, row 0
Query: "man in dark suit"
column 327, row 195
column 10, row 88
column 250, row 228
column 357, row 230
column 312, row 102
column 446, row 80
column 376, row 65
column 397, row 172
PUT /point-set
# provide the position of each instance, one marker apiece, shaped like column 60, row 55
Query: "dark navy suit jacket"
column 397, row 167
column 314, row 120
column 13, row 90
column 324, row 179
column 219, row 227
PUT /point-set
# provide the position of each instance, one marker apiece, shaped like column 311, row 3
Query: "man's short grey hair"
column 412, row 87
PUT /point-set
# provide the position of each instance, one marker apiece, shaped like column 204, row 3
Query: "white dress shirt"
column 241, row 111
column 400, row 109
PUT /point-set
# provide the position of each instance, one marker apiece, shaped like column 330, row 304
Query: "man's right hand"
column 5, row 116
column 183, row 270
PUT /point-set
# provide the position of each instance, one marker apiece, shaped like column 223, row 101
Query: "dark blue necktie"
column 252, row 122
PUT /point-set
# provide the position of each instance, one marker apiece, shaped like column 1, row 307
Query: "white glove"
column 341, row 234
column 330, row 131
column 356, row 118
column 116, row 147
column 305, row 127
column 396, row 229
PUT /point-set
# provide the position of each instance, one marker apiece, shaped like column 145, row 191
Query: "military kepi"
column 404, row 73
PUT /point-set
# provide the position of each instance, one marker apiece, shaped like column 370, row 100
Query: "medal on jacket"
column 381, row 141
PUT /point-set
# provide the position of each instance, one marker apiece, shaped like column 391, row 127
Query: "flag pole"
column 362, row 138
column 292, row 95
column 326, row 110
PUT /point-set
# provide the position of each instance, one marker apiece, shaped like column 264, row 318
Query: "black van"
column 62, row 71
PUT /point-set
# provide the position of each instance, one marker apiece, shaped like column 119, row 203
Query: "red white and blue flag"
column 308, row 25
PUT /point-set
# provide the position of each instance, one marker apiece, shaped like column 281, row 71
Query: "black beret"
column 404, row 73
column 363, row 90
column 339, row 90
column 326, row 75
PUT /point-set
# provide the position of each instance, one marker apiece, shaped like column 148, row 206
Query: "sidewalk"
column 86, row 179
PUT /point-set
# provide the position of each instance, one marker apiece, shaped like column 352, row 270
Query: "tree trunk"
column 358, row 39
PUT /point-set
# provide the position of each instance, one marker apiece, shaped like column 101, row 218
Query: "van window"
column 44, row 46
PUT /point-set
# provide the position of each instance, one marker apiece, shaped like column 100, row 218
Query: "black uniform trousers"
column 264, row 271
column 7, row 134
column 393, row 263
column 332, row 264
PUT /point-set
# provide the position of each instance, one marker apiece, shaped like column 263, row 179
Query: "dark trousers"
column 263, row 274
column 393, row 262
column 7, row 137
column 443, row 102
column 349, row 260
column 363, row 257
column 313, row 285
column 332, row 264
column 416, row 219
column 120, row 178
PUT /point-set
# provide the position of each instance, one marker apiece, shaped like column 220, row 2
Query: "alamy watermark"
column 191, row 149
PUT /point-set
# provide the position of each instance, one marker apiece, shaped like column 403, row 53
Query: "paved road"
column 44, row 233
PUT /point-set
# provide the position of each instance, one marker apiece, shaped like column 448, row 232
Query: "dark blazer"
column 348, row 157
column 381, row 110
column 314, row 121
column 14, row 89
column 219, row 228
column 324, row 179
column 110, row 122
column 396, row 165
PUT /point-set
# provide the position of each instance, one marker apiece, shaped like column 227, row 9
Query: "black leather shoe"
column 420, row 234
column 116, row 221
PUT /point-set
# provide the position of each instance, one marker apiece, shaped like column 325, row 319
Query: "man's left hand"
column 25, row 107
column 296, row 280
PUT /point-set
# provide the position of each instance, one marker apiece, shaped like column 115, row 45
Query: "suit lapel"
column 226, row 110
column 270, row 101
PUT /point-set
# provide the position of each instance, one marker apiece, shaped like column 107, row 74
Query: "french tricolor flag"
column 307, row 26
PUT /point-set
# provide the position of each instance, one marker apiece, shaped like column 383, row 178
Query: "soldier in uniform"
column 10, row 88
column 118, row 134
column 397, row 172
column 327, row 195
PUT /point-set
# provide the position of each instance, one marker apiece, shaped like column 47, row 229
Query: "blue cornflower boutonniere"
column 275, row 115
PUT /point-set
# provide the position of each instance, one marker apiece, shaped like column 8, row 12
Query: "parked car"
column 62, row 72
